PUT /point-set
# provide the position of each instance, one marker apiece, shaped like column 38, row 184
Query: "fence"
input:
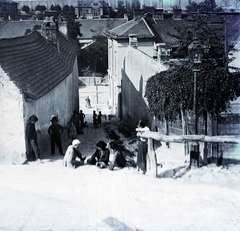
column 180, row 139
column 89, row 80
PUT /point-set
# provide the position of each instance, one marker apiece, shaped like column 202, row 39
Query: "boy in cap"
column 100, row 157
column 71, row 154
column 55, row 130
column 31, row 135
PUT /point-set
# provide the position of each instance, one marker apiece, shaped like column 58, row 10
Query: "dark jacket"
column 101, row 155
column 118, row 160
column 55, row 130
column 31, row 131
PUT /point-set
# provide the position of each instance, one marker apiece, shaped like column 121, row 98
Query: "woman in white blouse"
column 142, row 148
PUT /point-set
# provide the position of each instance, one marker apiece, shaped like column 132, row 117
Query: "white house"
column 39, row 77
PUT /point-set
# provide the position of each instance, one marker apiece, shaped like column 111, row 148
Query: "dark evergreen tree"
column 121, row 10
column 58, row 8
column 52, row 8
column 171, row 92
column 94, row 58
column 25, row 9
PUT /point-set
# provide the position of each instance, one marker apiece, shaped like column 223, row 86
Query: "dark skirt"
column 142, row 154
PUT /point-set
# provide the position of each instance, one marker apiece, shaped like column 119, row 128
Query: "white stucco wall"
column 61, row 101
column 117, row 50
column 135, row 73
column 15, row 111
column 12, row 141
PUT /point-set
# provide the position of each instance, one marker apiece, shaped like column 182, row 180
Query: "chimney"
column 177, row 14
column 158, row 14
column 50, row 30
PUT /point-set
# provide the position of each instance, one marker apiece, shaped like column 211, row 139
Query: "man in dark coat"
column 81, row 118
column 31, row 136
column 55, row 130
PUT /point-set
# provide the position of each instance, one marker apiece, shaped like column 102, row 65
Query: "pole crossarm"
column 183, row 138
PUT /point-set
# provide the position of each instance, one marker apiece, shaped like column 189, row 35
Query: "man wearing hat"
column 71, row 154
column 31, row 135
column 55, row 130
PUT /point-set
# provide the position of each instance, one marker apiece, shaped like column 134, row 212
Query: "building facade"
column 8, row 10
column 37, row 78
column 137, row 53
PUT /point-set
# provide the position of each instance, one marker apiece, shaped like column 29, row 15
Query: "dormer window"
column 133, row 41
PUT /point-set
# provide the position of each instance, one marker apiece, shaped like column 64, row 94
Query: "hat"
column 54, row 117
column 76, row 142
column 101, row 144
column 33, row 118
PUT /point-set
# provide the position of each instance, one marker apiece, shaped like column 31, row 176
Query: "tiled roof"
column 93, row 27
column 136, row 26
column 34, row 64
column 12, row 29
column 167, row 30
column 88, row 3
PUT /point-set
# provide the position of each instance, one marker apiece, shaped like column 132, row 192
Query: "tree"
column 95, row 57
column 58, row 8
column 73, row 26
column 26, row 9
column 149, row 8
column 27, row 32
column 170, row 93
column 66, row 8
column 40, row 8
column 121, row 10
column 52, row 8
column 203, row 7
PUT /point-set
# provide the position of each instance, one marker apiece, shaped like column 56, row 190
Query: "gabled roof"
column 88, row 3
column 34, row 64
column 167, row 30
column 94, row 27
column 136, row 26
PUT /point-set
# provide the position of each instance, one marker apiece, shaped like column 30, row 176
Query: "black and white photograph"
column 120, row 115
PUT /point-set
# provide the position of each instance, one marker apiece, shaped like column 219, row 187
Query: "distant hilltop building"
column 8, row 10
column 158, row 4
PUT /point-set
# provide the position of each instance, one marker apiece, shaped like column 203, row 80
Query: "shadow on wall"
column 134, row 107
column 44, row 143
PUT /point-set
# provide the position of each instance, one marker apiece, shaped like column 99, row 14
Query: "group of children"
column 100, row 157
column 97, row 119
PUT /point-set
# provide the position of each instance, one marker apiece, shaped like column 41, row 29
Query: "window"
column 133, row 41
